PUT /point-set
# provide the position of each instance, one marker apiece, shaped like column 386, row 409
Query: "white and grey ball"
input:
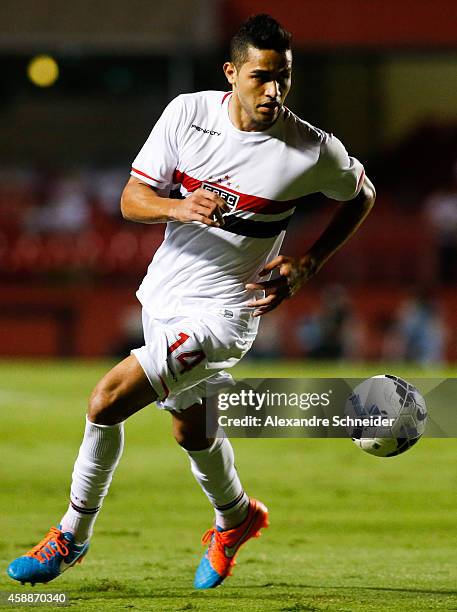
column 390, row 397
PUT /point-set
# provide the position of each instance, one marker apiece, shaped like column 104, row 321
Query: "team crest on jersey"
column 231, row 198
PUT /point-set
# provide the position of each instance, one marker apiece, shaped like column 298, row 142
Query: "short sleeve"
column 340, row 176
column 158, row 158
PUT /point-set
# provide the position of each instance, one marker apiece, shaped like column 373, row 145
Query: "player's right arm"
column 144, row 197
column 141, row 203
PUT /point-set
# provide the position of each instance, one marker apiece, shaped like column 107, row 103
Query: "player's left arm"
column 294, row 272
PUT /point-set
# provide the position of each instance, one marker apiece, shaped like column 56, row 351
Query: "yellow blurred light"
column 43, row 70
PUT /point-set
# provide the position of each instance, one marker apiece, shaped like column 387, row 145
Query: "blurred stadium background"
column 381, row 75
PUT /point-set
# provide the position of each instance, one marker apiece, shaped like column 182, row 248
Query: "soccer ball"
column 394, row 403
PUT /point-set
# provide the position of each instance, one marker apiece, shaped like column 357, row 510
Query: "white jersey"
column 259, row 174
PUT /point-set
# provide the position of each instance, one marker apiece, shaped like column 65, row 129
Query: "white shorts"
column 183, row 356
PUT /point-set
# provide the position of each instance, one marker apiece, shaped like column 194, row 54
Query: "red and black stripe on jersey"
column 234, row 222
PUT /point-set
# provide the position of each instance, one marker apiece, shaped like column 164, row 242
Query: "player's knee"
column 103, row 406
column 190, row 438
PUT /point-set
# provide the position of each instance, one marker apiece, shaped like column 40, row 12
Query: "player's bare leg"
column 237, row 517
column 189, row 428
column 119, row 394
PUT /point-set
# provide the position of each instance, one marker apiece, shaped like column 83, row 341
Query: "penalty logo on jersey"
column 231, row 198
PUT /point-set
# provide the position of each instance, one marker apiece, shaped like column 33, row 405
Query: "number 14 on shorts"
column 187, row 359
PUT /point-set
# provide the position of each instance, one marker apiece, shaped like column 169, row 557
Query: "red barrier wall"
column 355, row 23
column 63, row 321
column 88, row 321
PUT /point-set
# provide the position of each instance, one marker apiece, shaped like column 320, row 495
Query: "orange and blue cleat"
column 56, row 552
column 218, row 560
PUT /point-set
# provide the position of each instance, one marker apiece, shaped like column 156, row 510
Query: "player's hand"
column 203, row 206
column 294, row 272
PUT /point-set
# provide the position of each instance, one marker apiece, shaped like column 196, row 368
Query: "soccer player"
column 241, row 160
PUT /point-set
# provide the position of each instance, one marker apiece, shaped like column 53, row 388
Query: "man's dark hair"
column 259, row 31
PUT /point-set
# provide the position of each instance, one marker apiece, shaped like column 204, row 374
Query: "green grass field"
column 349, row 532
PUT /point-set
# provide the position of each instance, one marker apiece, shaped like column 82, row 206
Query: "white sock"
column 99, row 454
column 214, row 469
